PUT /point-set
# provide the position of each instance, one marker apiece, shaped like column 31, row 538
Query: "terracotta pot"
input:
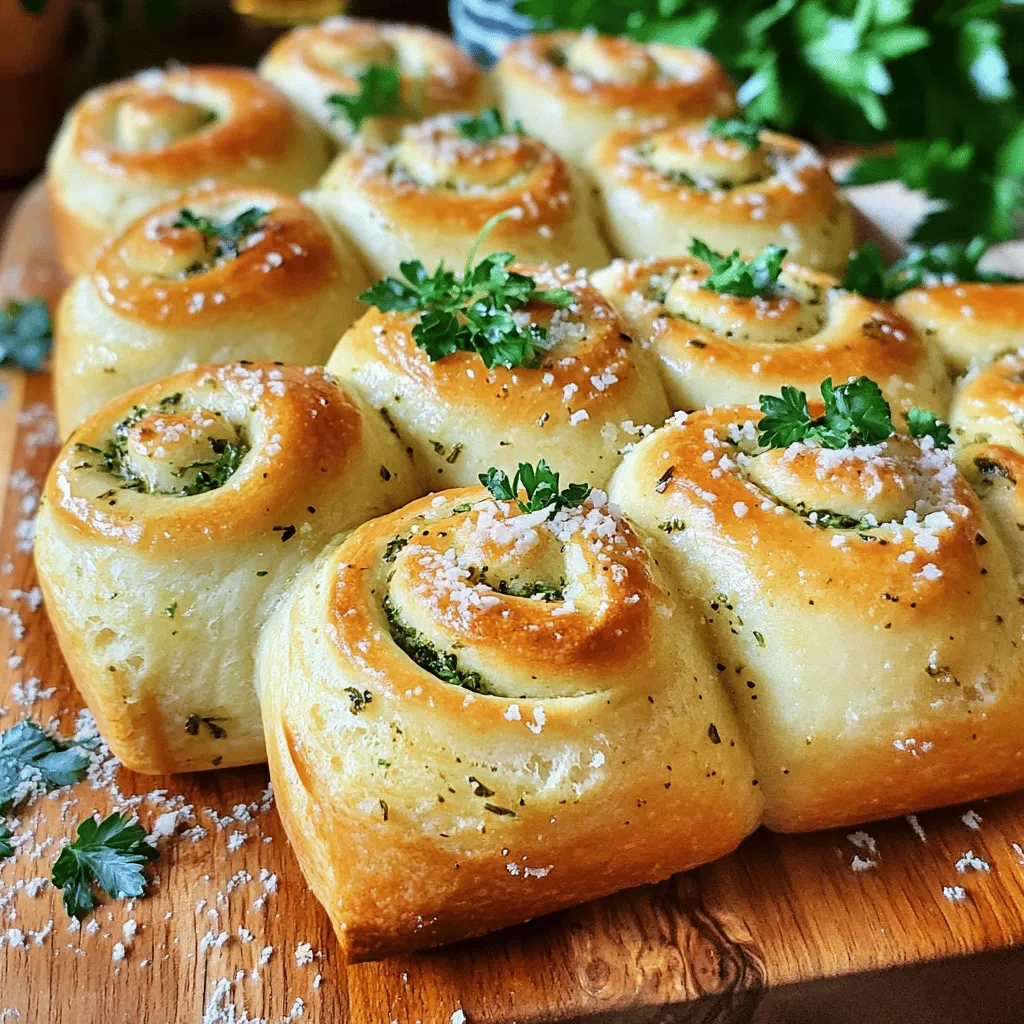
column 30, row 87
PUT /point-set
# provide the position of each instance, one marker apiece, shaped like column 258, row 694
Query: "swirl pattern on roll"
column 522, row 718
column 164, row 296
column 716, row 349
column 460, row 418
column 125, row 147
column 313, row 62
column 864, row 610
column 662, row 187
column 172, row 521
column 571, row 89
column 430, row 196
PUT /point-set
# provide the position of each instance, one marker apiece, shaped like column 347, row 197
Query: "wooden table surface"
column 913, row 920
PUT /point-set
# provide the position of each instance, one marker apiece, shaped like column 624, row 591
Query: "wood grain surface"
column 841, row 926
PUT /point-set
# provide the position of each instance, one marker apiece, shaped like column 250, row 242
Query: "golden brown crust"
column 971, row 323
column 989, row 404
column 662, row 187
column 875, row 659
column 464, row 810
column 719, row 349
column 313, row 62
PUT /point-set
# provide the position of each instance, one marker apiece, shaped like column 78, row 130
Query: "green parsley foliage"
column 922, row 423
column 472, row 313
column 486, row 126
column 6, row 849
column 540, row 484
column 855, row 413
column 26, row 334
column 733, row 275
column 865, row 71
column 110, row 853
column 867, row 274
column 221, row 238
column 30, row 757
column 379, row 95
column 737, row 129
column 215, row 474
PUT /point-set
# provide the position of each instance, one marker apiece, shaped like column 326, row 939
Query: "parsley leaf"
column 736, row 129
column 540, row 484
column 6, row 849
column 26, row 334
column 379, row 95
column 486, row 126
column 733, row 275
column 922, row 423
column 221, row 238
column 111, row 853
column 855, row 413
column 471, row 313
column 867, row 274
column 30, row 756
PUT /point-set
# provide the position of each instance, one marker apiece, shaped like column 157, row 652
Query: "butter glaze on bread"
column 589, row 749
column 157, row 596
column 125, row 147
column 430, row 196
column 722, row 349
column 313, row 62
column 571, row 89
column 661, row 188
column 159, row 301
column 461, row 418
column 875, row 659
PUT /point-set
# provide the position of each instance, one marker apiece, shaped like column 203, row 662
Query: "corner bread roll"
column 571, row 88
column 171, row 523
column 460, row 418
column 314, row 62
column 125, row 147
column 661, row 188
column 970, row 322
column 862, row 605
column 717, row 349
column 430, row 196
column 492, row 756
column 211, row 276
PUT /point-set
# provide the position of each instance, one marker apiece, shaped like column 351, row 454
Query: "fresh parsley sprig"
column 379, row 95
column 221, row 238
column 6, row 849
column 111, row 853
column 30, row 756
column 471, row 313
column 486, row 126
column 855, row 413
column 540, row 483
column 26, row 334
column 733, row 275
column 737, row 129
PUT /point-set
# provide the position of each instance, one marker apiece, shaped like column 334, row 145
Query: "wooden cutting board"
column 839, row 926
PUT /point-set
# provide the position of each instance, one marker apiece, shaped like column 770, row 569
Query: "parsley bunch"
column 864, row 71
column 867, row 273
column 379, row 95
column 110, row 853
column 486, row 126
column 471, row 313
column 26, row 334
column 540, row 484
column 30, row 756
column 221, row 238
column 737, row 129
column 855, row 413
column 733, row 275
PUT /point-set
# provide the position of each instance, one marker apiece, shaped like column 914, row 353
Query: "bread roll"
column 862, row 605
column 722, row 349
column 661, row 188
column 971, row 322
column 430, row 196
column 989, row 404
column 493, row 757
column 460, row 418
column 163, row 297
column 173, row 520
column 125, row 147
column 314, row 62
column 571, row 89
